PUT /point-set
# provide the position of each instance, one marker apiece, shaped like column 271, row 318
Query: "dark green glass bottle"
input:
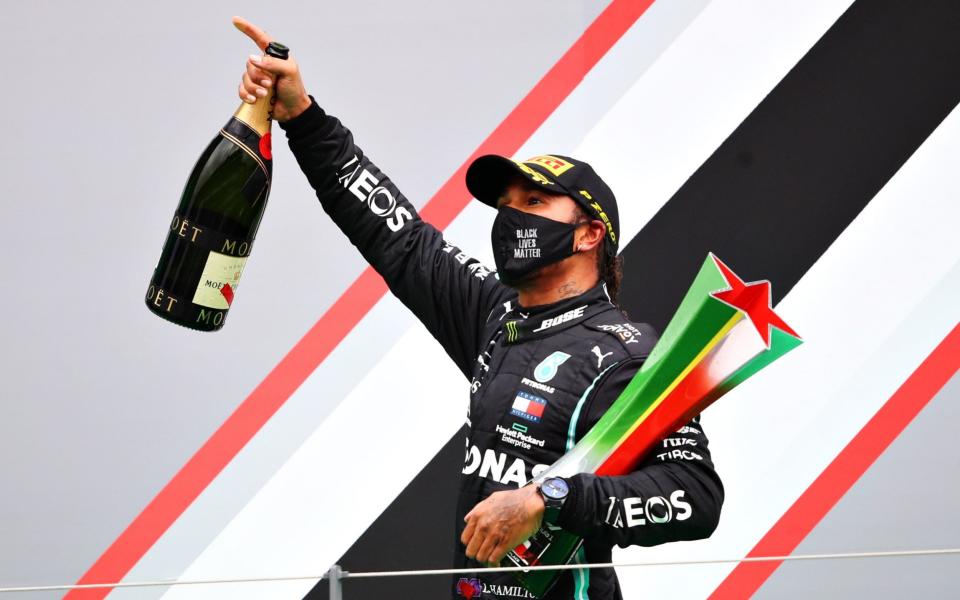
column 213, row 229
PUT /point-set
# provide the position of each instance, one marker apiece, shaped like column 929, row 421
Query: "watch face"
column 555, row 488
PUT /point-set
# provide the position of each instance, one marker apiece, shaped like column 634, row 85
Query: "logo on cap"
column 555, row 165
column 538, row 177
column 603, row 215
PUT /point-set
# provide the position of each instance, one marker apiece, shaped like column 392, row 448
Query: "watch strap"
column 551, row 506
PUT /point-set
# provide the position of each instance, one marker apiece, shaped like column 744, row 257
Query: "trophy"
column 724, row 331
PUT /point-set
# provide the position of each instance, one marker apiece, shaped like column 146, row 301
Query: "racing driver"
column 542, row 342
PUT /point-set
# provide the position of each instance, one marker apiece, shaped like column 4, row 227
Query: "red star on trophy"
column 753, row 299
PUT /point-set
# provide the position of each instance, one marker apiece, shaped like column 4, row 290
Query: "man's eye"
column 534, row 200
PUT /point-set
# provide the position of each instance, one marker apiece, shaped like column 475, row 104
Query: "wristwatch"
column 554, row 492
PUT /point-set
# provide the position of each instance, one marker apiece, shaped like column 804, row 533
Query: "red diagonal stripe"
column 341, row 318
column 846, row 468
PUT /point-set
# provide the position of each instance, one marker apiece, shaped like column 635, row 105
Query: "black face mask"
column 523, row 242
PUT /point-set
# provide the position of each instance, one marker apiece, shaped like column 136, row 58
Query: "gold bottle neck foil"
column 256, row 115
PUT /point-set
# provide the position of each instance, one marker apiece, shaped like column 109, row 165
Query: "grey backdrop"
column 906, row 501
column 108, row 106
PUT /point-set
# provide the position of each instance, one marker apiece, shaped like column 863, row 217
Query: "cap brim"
column 488, row 176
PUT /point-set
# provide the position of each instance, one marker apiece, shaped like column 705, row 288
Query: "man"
column 542, row 342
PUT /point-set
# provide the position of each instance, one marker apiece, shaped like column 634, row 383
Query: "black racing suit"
column 536, row 386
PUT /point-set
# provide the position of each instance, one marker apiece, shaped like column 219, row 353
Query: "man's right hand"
column 263, row 72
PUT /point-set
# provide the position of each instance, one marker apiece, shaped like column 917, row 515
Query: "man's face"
column 521, row 195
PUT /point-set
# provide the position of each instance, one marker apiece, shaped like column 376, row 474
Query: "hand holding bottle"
column 264, row 72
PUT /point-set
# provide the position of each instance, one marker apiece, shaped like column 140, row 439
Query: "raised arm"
column 451, row 293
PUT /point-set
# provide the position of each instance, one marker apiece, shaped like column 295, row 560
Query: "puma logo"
column 600, row 357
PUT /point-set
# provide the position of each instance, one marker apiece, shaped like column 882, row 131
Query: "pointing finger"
column 259, row 36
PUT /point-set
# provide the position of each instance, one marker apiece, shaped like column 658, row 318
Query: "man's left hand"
column 501, row 522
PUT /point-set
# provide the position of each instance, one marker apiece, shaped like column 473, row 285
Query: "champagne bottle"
column 213, row 228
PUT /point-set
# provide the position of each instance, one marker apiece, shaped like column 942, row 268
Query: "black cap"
column 488, row 176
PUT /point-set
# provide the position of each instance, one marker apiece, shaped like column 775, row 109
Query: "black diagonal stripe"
column 799, row 169
column 769, row 201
